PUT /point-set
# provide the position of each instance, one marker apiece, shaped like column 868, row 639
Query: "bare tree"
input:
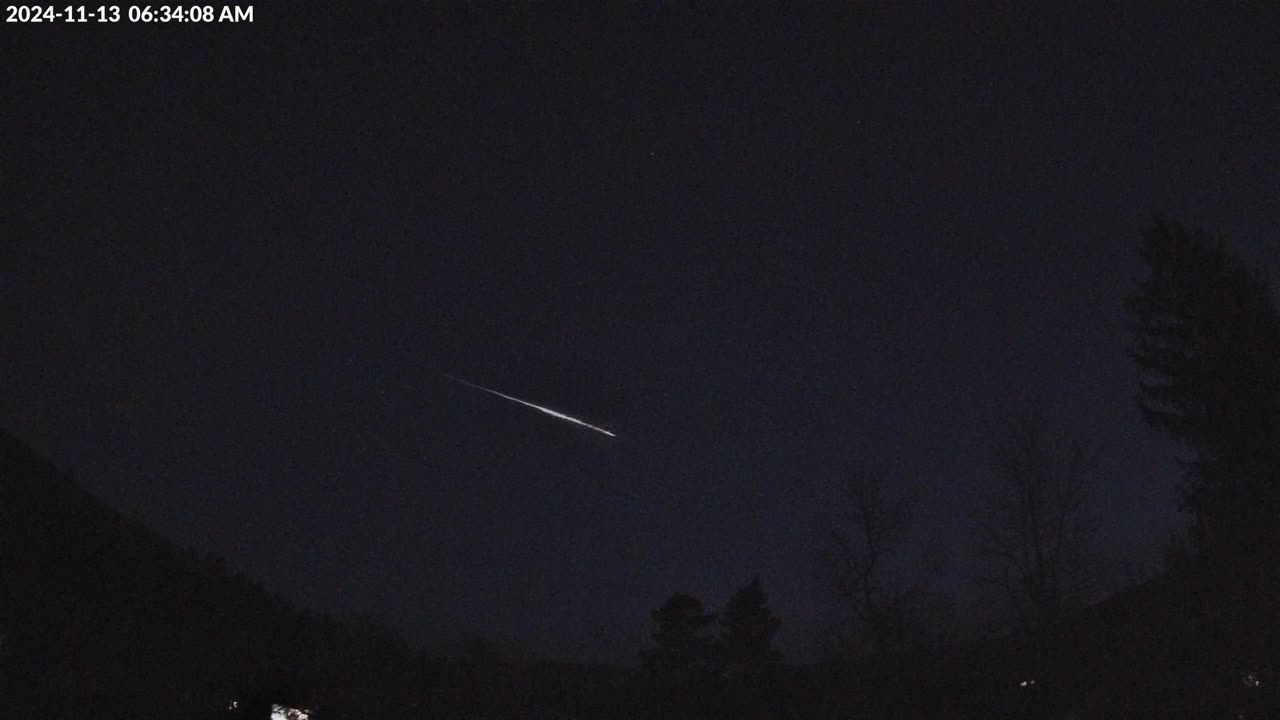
column 876, row 528
column 1033, row 528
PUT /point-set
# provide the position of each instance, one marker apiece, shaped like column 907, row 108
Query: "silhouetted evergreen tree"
column 1207, row 339
column 745, row 646
column 684, row 650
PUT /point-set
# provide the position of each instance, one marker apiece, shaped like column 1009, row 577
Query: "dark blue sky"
column 763, row 249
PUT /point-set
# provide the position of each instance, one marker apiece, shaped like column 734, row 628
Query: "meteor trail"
column 552, row 413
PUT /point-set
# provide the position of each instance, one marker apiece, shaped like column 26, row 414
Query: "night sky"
column 238, row 261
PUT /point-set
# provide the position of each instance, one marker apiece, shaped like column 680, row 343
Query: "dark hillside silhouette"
column 97, row 611
column 100, row 615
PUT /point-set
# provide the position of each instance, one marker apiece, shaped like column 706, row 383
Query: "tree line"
column 742, row 649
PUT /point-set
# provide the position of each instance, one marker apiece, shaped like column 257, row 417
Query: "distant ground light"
column 281, row 712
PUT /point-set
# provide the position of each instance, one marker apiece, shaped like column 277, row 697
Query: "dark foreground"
column 100, row 617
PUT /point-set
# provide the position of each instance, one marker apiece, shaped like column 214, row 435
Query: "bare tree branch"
column 1031, row 528
column 879, row 523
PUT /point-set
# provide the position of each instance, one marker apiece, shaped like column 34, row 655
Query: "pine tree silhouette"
column 745, row 645
column 1207, row 339
column 683, row 649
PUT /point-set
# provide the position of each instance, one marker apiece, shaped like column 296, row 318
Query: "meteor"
column 552, row 413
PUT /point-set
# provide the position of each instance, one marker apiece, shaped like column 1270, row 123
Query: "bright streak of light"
column 548, row 411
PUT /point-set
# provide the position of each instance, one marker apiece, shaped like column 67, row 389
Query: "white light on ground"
column 280, row 712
